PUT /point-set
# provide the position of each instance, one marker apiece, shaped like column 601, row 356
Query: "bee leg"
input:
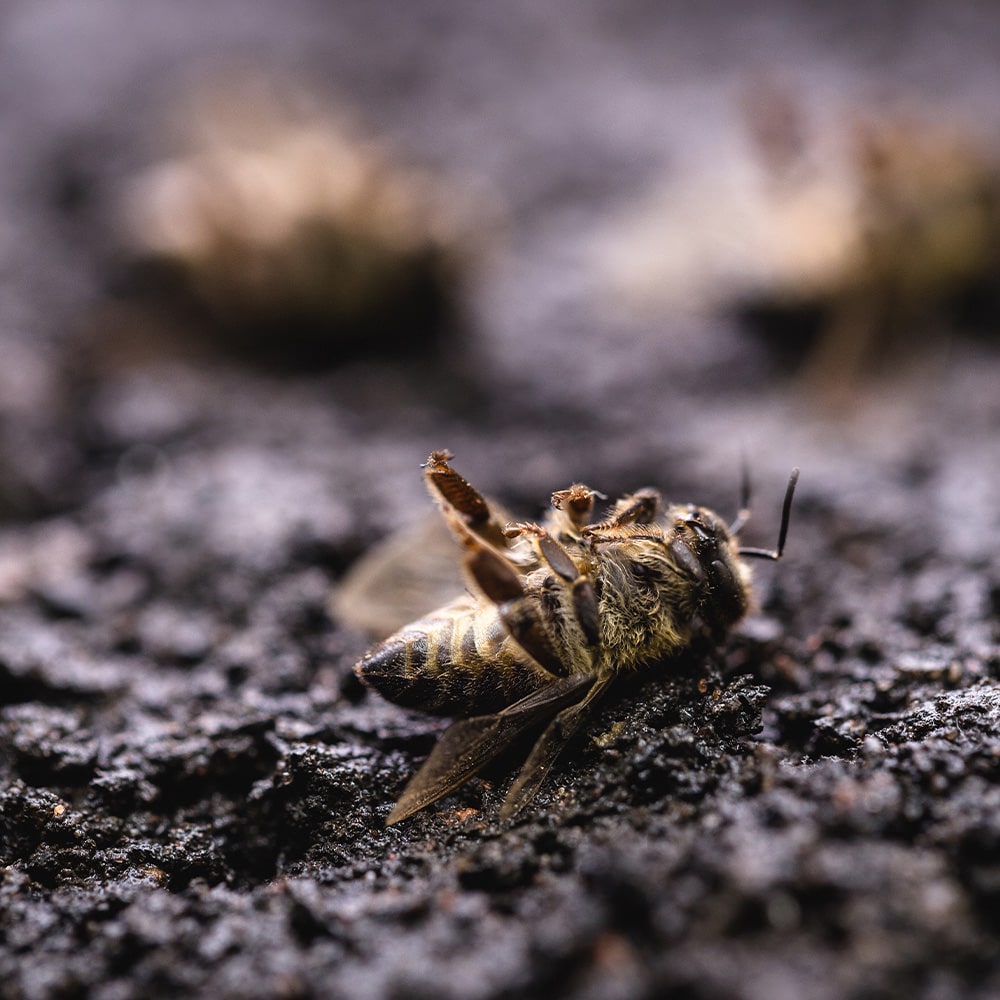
column 501, row 583
column 640, row 507
column 550, row 744
column 576, row 504
column 463, row 498
column 584, row 597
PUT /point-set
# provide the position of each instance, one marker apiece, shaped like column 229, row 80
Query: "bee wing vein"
column 550, row 744
column 469, row 744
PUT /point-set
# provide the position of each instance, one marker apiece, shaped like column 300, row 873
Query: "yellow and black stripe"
column 459, row 660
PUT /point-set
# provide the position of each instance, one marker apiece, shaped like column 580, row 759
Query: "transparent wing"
column 550, row 744
column 469, row 744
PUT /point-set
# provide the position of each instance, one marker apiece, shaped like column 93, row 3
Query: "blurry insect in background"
column 857, row 244
column 558, row 610
column 290, row 232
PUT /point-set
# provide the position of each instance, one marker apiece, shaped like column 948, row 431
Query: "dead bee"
column 557, row 612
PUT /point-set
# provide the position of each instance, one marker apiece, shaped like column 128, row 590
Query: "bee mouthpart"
column 697, row 527
column 687, row 559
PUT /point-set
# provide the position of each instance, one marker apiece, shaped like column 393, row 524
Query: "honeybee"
column 556, row 612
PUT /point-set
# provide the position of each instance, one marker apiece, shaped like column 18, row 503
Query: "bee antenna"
column 786, row 512
column 744, row 512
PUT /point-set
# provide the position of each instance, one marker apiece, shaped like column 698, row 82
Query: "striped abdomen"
column 459, row 660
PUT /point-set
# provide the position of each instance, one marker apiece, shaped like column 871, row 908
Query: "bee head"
column 706, row 551
column 685, row 565
column 703, row 549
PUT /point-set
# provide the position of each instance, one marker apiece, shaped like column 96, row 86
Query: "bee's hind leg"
column 460, row 497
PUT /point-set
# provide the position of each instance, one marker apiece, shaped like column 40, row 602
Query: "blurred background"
column 656, row 238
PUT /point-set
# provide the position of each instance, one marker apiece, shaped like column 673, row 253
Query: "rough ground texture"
column 192, row 784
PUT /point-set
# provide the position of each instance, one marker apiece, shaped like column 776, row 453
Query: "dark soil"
column 193, row 785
